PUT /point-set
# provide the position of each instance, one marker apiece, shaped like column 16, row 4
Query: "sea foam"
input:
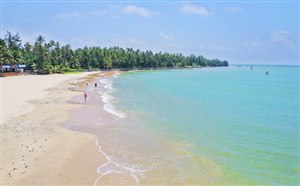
column 111, row 166
column 107, row 99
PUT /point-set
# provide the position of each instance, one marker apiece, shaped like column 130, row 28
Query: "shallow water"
column 200, row 126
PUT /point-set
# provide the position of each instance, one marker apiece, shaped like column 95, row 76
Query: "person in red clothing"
column 85, row 96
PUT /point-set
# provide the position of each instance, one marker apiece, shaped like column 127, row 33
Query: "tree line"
column 52, row 57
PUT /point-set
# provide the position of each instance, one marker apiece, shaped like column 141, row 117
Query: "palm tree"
column 14, row 45
column 5, row 55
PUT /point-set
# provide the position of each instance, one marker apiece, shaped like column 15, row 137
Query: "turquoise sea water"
column 212, row 125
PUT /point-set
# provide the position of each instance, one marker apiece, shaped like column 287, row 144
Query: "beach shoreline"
column 98, row 114
column 36, row 149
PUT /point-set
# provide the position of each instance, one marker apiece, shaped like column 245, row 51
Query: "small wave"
column 109, row 87
column 107, row 84
column 116, row 75
column 110, row 108
column 112, row 166
column 104, row 81
column 107, row 98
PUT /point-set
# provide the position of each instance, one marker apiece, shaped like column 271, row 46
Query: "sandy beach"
column 36, row 149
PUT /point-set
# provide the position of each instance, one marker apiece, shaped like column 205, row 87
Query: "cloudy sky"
column 242, row 32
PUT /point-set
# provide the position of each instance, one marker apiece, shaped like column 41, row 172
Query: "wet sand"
column 95, row 120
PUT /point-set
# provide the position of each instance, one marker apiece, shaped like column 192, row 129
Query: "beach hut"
column 18, row 68
column 14, row 68
column 21, row 68
column 6, row 68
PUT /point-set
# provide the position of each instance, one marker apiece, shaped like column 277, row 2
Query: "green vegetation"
column 50, row 57
column 72, row 72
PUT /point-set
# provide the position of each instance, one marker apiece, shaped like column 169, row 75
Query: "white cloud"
column 283, row 37
column 195, row 9
column 134, row 42
column 70, row 15
column 279, row 43
column 256, row 43
column 78, row 42
column 91, row 43
column 111, row 10
column 233, row 9
column 166, row 36
column 141, row 11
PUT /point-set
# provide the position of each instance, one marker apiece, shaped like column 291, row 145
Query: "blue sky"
column 240, row 32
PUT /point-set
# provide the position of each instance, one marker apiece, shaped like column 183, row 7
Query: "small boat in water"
column 267, row 73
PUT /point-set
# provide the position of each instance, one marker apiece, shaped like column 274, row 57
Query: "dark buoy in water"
column 267, row 73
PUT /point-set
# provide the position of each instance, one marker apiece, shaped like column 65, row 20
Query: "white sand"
column 36, row 150
column 18, row 90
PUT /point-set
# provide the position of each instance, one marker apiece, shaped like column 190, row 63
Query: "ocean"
column 234, row 125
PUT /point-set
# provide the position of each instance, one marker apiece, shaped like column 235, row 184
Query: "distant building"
column 13, row 68
column 20, row 68
column 6, row 68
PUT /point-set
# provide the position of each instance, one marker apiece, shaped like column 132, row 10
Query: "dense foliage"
column 51, row 57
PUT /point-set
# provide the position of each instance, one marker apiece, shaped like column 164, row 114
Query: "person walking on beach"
column 85, row 96
column 95, row 85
